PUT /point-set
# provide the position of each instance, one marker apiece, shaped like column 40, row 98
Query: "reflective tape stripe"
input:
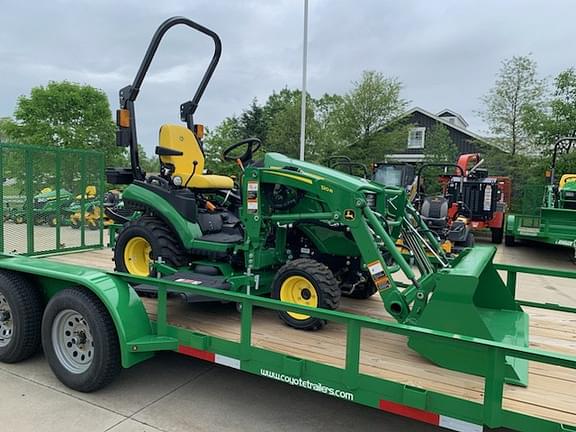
column 211, row 357
column 227, row 361
column 429, row 417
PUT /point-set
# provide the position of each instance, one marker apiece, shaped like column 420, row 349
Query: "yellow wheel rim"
column 137, row 256
column 299, row 290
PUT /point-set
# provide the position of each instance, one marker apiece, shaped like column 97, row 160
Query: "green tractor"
column 301, row 233
column 556, row 220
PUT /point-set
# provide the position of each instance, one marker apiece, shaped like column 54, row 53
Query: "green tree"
column 150, row 164
column 253, row 123
column 439, row 146
column 559, row 117
column 4, row 124
column 225, row 134
column 366, row 113
column 516, row 91
column 66, row 115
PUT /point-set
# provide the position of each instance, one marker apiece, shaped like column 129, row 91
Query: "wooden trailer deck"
column 550, row 393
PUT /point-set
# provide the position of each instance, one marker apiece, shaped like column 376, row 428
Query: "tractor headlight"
column 177, row 180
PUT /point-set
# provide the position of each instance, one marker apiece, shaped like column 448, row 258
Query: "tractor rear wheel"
column 142, row 241
column 306, row 282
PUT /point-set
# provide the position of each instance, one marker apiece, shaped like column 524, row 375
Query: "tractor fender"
column 186, row 231
column 123, row 304
column 510, row 224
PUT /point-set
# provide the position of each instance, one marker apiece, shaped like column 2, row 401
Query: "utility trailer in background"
column 361, row 356
column 555, row 219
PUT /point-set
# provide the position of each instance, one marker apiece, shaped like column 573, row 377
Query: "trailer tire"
column 306, row 282
column 21, row 316
column 510, row 241
column 80, row 340
column 497, row 235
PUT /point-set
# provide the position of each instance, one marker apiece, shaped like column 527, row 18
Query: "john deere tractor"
column 300, row 233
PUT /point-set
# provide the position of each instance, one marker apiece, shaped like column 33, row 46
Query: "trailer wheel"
column 497, row 235
column 80, row 341
column 306, row 282
column 20, row 318
column 510, row 241
column 142, row 241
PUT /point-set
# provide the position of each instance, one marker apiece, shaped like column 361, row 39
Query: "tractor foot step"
column 188, row 277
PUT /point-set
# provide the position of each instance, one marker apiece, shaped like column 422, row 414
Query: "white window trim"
column 421, row 144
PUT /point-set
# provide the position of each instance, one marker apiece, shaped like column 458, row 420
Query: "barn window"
column 416, row 138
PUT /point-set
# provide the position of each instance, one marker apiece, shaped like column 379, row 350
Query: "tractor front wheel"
column 306, row 282
column 142, row 241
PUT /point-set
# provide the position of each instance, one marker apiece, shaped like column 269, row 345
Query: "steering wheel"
column 252, row 146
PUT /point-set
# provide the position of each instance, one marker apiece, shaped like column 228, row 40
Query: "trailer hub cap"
column 299, row 290
column 137, row 256
column 6, row 323
column 72, row 341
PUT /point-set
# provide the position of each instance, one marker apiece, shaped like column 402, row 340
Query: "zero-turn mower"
column 300, row 233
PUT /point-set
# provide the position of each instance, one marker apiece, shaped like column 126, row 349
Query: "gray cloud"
column 446, row 53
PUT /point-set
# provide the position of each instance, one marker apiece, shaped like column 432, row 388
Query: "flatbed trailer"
column 552, row 225
column 361, row 356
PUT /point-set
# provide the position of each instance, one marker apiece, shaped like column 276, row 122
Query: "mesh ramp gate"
column 52, row 199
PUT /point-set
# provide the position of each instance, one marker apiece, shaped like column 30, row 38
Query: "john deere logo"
column 349, row 215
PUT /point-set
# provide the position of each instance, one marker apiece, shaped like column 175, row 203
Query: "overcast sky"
column 446, row 53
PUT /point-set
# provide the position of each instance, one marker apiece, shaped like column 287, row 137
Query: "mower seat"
column 180, row 151
column 434, row 212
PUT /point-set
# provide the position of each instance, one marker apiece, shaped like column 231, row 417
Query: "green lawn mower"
column 45, row 206
column 300, row 233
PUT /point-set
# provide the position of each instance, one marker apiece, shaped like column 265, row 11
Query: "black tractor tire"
column 21, row 307
column 87, row 361
column 497, row 235
column 162, row 240
column 320, row 279
column 509, row 241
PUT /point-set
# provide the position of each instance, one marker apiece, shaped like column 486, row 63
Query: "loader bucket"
column 471, row 299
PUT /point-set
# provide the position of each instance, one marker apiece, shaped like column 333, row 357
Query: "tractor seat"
column 179, row 150
column 434, row 212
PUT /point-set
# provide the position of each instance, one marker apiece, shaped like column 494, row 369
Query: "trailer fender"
column 119, row 298
column 510, row 224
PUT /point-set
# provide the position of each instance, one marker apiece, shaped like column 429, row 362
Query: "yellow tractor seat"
column 209, row 181
column 565, row 179
column 180, row 150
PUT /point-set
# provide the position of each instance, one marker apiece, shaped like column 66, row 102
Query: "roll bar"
column 126, row 135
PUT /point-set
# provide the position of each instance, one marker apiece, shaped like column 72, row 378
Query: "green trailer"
column 555, row 222
column 361, row 356
column 205, row 268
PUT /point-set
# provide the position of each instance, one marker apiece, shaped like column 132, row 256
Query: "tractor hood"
column 279, row 161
